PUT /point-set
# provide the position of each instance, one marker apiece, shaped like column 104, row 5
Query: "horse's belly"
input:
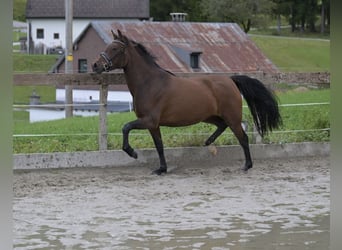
column 187, row 112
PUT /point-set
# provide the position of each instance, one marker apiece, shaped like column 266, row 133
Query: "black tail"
column 261, row 102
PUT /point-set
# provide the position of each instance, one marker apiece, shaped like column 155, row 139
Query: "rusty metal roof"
column 224, row 47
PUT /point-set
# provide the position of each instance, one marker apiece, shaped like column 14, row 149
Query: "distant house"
column 46, row 19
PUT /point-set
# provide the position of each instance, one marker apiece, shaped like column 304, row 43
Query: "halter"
column 107, row 59
column 118, row 41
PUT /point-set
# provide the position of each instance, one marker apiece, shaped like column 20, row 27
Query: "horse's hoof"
column 131, row 152
column 159, row 171
column 134, row 155
column 246, row 168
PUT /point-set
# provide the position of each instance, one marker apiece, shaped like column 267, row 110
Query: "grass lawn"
column 285, row 31
column 21, row 95
column 295, row 54
column 23, row 63
column 33, row 63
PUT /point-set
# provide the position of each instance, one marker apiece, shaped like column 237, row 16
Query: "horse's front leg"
column 157, row 139
column 137, row 124
column 155, row 133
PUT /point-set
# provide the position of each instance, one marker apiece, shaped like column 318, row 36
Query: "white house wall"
column 52, row 26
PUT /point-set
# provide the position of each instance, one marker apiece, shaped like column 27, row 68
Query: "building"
column 46, row 19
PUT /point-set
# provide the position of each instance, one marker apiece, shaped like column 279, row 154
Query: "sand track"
column 279, row 204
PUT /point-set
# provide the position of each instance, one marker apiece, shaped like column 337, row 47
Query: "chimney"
column 178, row 16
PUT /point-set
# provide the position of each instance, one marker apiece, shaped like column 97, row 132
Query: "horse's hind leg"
column 243, row 140
column 221, row 126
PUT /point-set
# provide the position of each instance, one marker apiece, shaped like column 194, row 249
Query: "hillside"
column 19, row 7
column 295, row 54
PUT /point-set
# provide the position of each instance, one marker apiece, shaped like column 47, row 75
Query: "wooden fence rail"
column 105, row 79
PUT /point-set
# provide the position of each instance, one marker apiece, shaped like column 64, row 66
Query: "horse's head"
column 114, row 56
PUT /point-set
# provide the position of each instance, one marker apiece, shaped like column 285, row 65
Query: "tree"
column 280, row 7
column 303, row 13
column 311, row 15
column 247, row 13
column 325, row 14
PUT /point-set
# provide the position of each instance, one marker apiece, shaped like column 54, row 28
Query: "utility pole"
column 68, row 55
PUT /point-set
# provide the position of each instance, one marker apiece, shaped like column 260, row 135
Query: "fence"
column 104, row 80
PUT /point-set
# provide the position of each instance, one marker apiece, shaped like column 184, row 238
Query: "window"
column 190, row 56
column 82, row 66
column 40, row 33
column 55, row 35
column 194, row 60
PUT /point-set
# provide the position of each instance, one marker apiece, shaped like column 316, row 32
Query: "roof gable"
column 92, row 9
column 223, row 47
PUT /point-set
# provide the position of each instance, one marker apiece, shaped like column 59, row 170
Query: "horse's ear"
column 123, row 38
column 119, row 33
column 115, row 37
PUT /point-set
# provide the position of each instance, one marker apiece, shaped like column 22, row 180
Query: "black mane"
column 149, row 58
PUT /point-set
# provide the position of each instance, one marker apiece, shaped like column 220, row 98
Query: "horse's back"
column 224, row 89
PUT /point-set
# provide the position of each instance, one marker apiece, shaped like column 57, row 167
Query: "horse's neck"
column 140, row 74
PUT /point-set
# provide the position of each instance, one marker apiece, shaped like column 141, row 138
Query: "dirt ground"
column 279, row 204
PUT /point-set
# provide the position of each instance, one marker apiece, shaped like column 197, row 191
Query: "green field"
column 23, row 63
column 78, row 133
column 33, row 63
column 295, row 54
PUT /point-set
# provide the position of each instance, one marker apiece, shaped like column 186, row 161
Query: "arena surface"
column 279, row 204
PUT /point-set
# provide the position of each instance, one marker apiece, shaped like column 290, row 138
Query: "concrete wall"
column 201, row 156
column 318, row 78
column 298, row 78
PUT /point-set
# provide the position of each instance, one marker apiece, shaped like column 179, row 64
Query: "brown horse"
column 163, row 99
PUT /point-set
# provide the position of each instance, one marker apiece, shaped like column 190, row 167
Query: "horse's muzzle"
column 96, row 68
